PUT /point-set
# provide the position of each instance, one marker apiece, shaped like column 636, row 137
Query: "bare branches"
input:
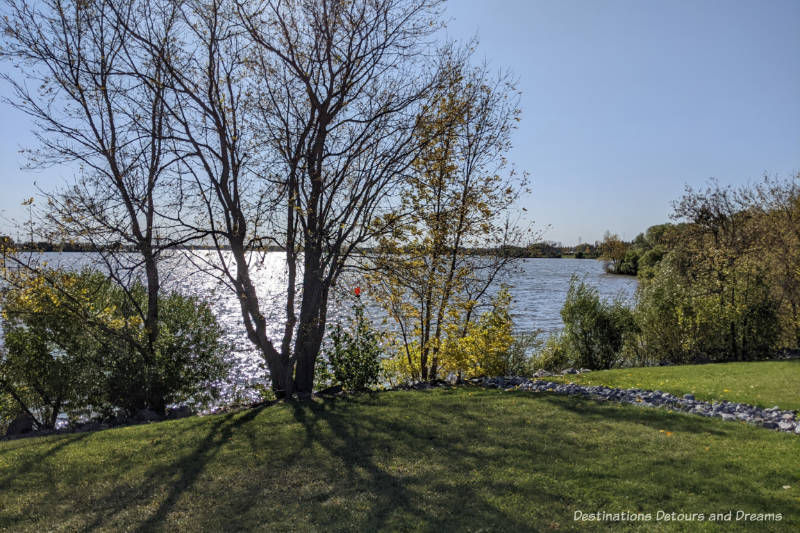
column 242, row 124
column 100, row 102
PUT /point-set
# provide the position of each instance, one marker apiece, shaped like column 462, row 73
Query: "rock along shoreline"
column 772, row 418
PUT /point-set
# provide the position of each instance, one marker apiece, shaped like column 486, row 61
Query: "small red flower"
column 357, row 290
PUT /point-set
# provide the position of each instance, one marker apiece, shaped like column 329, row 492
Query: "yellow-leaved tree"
column 438, row 270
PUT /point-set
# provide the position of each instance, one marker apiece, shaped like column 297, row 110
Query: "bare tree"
column 345, row 84
column 100, row 103
column 210, row 78
column 297, row 121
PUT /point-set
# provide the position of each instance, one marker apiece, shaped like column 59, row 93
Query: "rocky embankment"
column 771, row 418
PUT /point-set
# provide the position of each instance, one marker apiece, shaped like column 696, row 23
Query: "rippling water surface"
column 538, row 287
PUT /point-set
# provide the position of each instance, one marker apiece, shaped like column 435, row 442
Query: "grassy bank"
column 451, row 460
column 763, row 383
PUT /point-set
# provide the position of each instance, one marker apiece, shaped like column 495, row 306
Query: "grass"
column 442, row 460
column 763, row 383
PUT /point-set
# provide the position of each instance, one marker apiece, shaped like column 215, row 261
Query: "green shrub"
column 630, row 263
column 187, row 358
column 594, row 330
column 323, row 376
column 75, row 344
column 519, row 359
column 684, row 319
column 553, row 355
column 355, row 358
column 51, row 360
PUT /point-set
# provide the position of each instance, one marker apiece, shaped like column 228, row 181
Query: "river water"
column 538, row 288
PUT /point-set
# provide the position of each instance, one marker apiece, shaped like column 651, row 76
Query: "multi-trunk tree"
column 297, row 122
column 345, row 83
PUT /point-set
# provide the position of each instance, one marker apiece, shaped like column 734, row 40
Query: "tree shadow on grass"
column 34, row 465
column 365, row 447
column 418, row 460
column 445, row 499
column 719, row 472
column 654, row 417
column 183, row 474
column 191, row 465
column 21, row 469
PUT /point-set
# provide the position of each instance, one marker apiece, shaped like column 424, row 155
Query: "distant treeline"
column 7, row 243
column 545, row 249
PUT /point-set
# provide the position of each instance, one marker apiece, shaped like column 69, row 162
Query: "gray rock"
column 570, row 370
column 92, row 426
column 20, row 425
column 147, row 415
column 772, row 418
column 179, row 412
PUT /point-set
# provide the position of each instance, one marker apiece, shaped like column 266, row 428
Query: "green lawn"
column 765, row 383
column 441, row 460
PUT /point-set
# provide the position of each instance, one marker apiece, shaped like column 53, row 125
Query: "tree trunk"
column 256, row 325
column 311, row 325
column 153, row 288
column 306, row 354
column 155, row 400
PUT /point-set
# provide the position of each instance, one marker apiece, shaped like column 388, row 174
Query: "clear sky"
column 624, row 102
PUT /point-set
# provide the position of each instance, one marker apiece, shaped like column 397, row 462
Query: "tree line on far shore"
column 536, row 250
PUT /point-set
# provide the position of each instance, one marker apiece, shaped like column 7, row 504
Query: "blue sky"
column 624, row 102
